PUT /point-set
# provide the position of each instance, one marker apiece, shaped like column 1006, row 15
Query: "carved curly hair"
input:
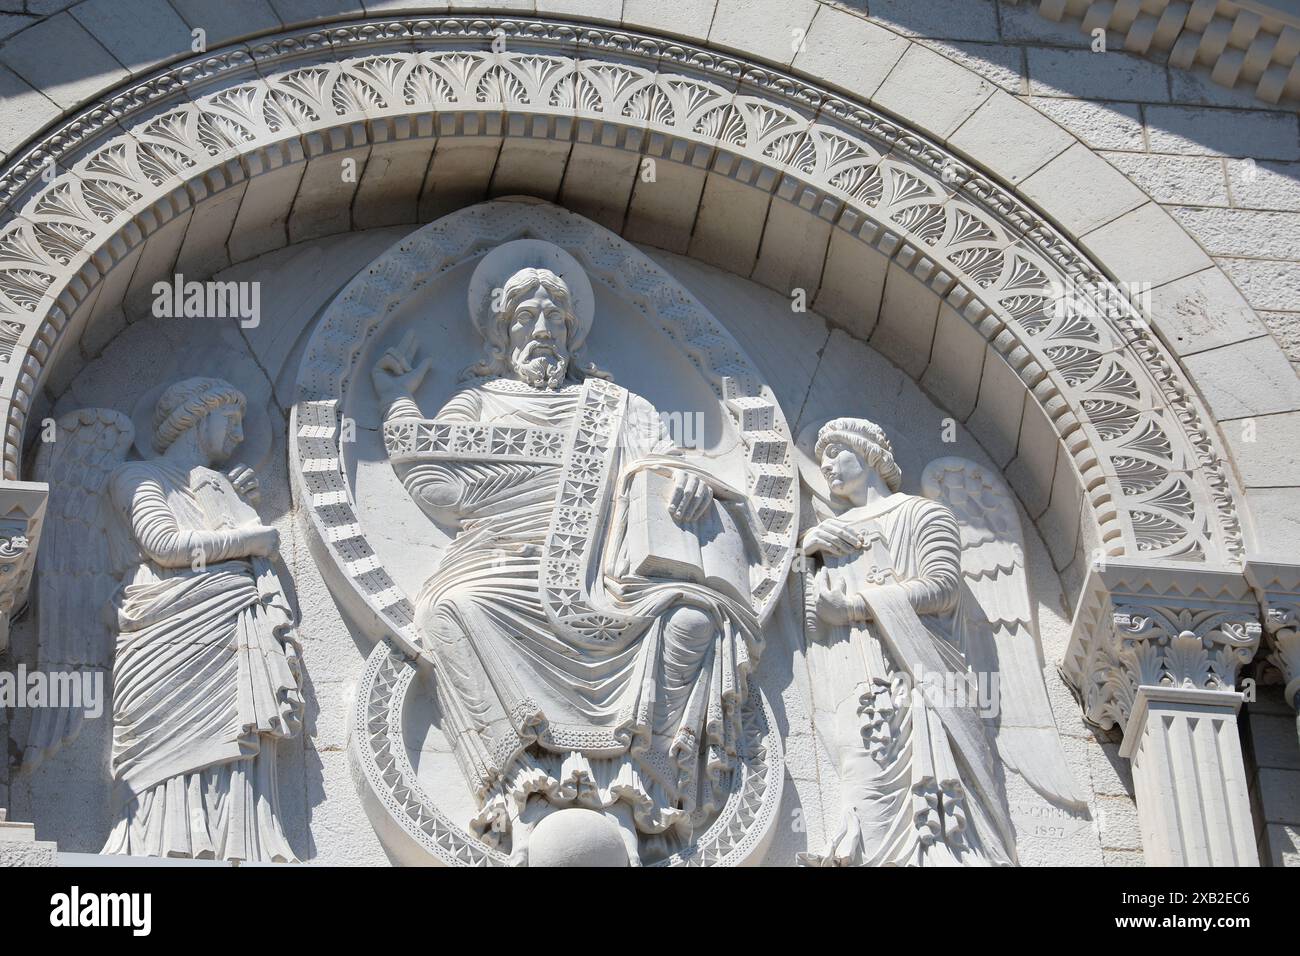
column 496, row 333
column 868, row 441
column 184, row 404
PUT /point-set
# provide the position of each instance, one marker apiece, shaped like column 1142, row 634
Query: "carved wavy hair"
column 868, row 441
column 184, row 404
column 496, row 332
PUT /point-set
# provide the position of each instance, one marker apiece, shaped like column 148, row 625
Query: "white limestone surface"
column 815, row 370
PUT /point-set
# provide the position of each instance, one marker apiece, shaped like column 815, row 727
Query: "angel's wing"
column 76, row 564
column 996, row 622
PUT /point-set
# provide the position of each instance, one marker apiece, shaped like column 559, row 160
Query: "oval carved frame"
column 400, row 808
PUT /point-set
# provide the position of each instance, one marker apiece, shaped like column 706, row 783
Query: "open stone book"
column 709, row 550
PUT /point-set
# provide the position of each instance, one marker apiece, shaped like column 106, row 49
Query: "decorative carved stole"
column 912, row 649
column 588, row 454
column 591, row 458
column 422, row 439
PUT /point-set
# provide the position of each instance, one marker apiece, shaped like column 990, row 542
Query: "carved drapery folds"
column 510, row 445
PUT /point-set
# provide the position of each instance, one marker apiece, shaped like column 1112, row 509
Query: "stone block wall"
column 1223, row 163
column 1220, row 162
column 1273, row 760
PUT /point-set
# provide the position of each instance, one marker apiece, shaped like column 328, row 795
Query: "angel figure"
column 168, row 555
column 920, row 647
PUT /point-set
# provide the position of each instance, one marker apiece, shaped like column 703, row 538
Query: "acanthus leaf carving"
column 1139, row 626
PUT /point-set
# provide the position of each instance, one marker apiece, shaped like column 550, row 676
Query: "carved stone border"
column 377, row 750
column 1146, row 459
column 1253, row 43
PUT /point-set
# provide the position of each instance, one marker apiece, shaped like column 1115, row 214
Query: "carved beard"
column 540, row 365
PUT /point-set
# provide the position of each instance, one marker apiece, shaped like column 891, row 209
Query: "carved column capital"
column 1138, row 625
column 1278, row 588
column 1157, row 651
column 22, row 512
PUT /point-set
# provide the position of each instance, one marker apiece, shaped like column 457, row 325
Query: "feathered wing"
column 77, row 564
column 995, row 623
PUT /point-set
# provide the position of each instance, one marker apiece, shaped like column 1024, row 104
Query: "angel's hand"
column 244, row 480
column 262, row 541
column 834, row 603
column 394, row 375
column 834, row 537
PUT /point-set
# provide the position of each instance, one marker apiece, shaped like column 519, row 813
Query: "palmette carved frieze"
column 1155, row 482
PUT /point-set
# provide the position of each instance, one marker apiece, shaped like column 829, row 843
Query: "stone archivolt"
column 1150, row 468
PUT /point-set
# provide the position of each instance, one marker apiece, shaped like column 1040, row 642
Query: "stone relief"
column 582, row 641
column 174, row 578
column 590, row 647
column 590, row 613
column 918, row 631
column 592, row 619
column 1155, row 482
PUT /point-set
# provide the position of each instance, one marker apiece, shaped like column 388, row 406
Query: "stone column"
column 1180, row 734
column 1157, row 652
column 1278, row 587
